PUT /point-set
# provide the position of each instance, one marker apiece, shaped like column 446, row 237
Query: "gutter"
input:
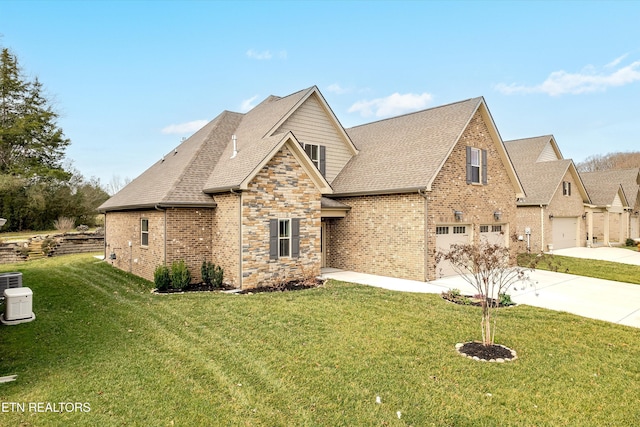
column 381, row 192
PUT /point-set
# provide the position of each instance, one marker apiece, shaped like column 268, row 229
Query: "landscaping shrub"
column 64, row 224
column 180, row 276
column 162, row 278
column 211, row 274
column 630, row 242
column 48, row 245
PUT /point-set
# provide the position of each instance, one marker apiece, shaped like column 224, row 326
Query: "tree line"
column 610, row 161
column 37, row 186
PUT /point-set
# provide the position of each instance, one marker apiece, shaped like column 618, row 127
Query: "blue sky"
column 131, row 79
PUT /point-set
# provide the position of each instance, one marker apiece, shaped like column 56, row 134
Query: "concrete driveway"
column 605, row 253
column 614, row 302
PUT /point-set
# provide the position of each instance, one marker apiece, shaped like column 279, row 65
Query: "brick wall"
column 226, row 236
column 124, row 227
column 189, row 237
column 450, row 192
column 280, row 190
column 380, row 235
column 530, row 216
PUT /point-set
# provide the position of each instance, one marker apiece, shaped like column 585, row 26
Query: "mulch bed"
column 284, row 287
column 469, row 300
column 488, row 353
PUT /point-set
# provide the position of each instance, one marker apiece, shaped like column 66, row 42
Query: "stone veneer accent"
column 385, row 234
column 282, row 189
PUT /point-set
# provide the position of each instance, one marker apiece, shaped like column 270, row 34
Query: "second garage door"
column 447, row 235
column 564, row 232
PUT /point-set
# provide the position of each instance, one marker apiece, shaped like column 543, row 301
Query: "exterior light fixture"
column 458, row 215
column 550, row 216
column 584, row 215
column 497, row 215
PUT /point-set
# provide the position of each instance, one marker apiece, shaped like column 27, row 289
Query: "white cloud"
column 392, row 105
column 587, row 81
column 248, row 104
column 616, row 61
column 266, row 55
column 337, row 89
column 183, row 128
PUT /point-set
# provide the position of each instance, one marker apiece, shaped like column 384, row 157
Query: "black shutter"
column 569, row 188
column 469, row 172
column 273, row 239
column 295, row 237
column 323, row 160
column 484, row 167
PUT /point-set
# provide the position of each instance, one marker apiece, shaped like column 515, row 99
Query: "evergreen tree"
column 31, row 143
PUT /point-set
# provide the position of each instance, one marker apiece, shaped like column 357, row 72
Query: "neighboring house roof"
column 406, row 153
column 541, row 169
column 604, row 185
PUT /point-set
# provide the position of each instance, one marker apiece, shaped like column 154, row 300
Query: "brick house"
column 615, row 204
column 283, row 190
column 553, row 213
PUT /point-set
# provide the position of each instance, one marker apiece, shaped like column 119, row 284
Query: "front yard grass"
column 588, row 267
column 303, row 358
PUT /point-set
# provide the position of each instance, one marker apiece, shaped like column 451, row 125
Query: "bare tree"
column 116, row 184
column 488, row 268
column 618, row 160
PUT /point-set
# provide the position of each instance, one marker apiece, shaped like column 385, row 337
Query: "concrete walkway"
column 607, row 300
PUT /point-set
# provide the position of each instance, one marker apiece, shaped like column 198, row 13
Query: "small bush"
column 211, row 274
column 180, row 276
column 64, row 224
column 48, row 245
column 162, row 278
column 630, row 242
column 82, row 228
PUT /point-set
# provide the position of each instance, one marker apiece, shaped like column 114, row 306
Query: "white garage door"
column 634, row 227
column 447, row 235
column 493, row 234
column 564, row 232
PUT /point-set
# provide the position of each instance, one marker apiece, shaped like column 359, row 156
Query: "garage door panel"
column 564, row 232
column 447, row 235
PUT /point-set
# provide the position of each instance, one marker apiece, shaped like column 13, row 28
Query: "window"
column 284, row 238
column 144, row 232
column 442, row 230
column 496, row 228
column 459, row 230
column 484, row 228
column 317, row 154
column 566, row 188
column 476, row 166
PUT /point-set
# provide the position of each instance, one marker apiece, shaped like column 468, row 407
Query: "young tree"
column 489, row 269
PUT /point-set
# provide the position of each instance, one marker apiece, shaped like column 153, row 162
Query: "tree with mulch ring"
column 294, row 285
column 489, row 269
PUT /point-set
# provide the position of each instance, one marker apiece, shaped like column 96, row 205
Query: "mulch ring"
column 196, row 287
column 486, row 353
column 457, row 298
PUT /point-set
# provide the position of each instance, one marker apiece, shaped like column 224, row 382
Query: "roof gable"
column 603, row 185
column 406, row 153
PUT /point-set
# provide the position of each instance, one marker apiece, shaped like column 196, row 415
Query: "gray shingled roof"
column 526, row 150
column 178, row 178
column 603, row 186
column 540, row 180
column 404, row 152
column 203, row 161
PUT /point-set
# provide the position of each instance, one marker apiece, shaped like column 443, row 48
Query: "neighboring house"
column 278, row 192
column 616, row 204
column 552, row 215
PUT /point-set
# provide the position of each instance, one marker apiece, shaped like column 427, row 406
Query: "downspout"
column 164, row 254
column 423, row 193
column 541, row 228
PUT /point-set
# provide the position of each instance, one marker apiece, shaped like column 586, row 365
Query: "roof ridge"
column 531, row 137
column 416, row 112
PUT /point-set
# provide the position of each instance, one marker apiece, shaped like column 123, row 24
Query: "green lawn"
column 589, row 267
column 304, row 358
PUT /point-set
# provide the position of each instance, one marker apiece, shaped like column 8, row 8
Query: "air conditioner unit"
column 10, row 281
column 18, row 305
